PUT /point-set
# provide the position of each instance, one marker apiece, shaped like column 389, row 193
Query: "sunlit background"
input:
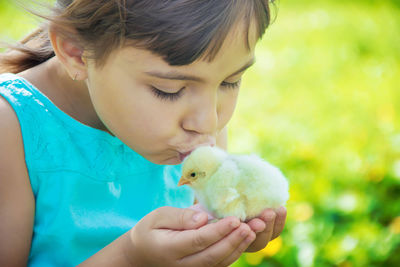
column 322, row 103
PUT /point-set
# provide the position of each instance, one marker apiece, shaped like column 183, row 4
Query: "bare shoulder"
column 11, row 145
column 17, row 205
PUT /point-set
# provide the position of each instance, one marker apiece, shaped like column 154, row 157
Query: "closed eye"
column 167, row 96
column 234, row 85
column 175, row 96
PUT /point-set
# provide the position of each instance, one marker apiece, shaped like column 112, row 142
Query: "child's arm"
column 171, row 237
column 17, row 204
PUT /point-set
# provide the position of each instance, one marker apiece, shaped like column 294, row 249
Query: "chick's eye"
column 193, row 174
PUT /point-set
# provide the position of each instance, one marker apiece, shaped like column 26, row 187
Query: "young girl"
column 98, row 109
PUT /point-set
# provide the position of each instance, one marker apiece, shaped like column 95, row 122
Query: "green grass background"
column 322, row 103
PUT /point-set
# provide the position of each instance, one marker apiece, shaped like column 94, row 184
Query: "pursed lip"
column 183, row 155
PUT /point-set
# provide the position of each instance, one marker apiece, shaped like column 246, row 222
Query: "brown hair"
column 180, row 31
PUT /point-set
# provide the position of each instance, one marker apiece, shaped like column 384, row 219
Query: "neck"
column 70, row 96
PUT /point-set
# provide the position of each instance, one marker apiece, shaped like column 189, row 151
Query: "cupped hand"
column 181, row 237
column 268, row 226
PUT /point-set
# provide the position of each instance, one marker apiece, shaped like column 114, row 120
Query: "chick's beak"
column 183, row 181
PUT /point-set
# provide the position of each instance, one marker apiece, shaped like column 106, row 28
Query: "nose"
column 202, row 115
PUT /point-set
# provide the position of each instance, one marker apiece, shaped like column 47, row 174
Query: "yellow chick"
column 233, row 185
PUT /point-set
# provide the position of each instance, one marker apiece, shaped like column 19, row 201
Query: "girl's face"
column 161, row 111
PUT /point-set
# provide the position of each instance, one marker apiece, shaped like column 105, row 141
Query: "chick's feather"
column 234, row 185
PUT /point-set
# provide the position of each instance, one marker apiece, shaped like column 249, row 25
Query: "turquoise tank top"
column 89, row 187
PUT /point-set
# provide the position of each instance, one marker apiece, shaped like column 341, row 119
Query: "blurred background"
column 322, row 103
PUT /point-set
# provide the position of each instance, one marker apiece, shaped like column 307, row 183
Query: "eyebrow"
column 175, row 75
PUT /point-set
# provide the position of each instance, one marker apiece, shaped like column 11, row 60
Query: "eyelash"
column 175, row 96
column 231, row 85
column 167, row 96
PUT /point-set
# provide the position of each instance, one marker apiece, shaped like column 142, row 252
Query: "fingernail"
column 261, row 230
column 281, row 209
column 244, row 233
column 250, row 239
column 197, row 217
column 235, row 224
column 270, row 216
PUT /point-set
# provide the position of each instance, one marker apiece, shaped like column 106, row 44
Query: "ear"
column 70, row 54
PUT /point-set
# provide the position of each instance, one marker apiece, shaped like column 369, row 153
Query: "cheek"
column 130, row 111
column 139, row 113
column 226, row 107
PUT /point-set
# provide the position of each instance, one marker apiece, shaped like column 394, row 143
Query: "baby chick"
column 233, row 185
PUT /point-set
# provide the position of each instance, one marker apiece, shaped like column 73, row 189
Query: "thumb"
column 177, row 219
column 199, row 207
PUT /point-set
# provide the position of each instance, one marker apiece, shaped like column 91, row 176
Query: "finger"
column 262, row 239
column 193, row 241
column 201, row 208
column 268, row 216
column 177, row 219
column 239, row 251
column 221, row 250
column 256, row 225
column 279, row 222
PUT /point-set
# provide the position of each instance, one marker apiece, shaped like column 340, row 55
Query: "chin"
column 172, row 162
column 168, row 161
column 162, row 157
